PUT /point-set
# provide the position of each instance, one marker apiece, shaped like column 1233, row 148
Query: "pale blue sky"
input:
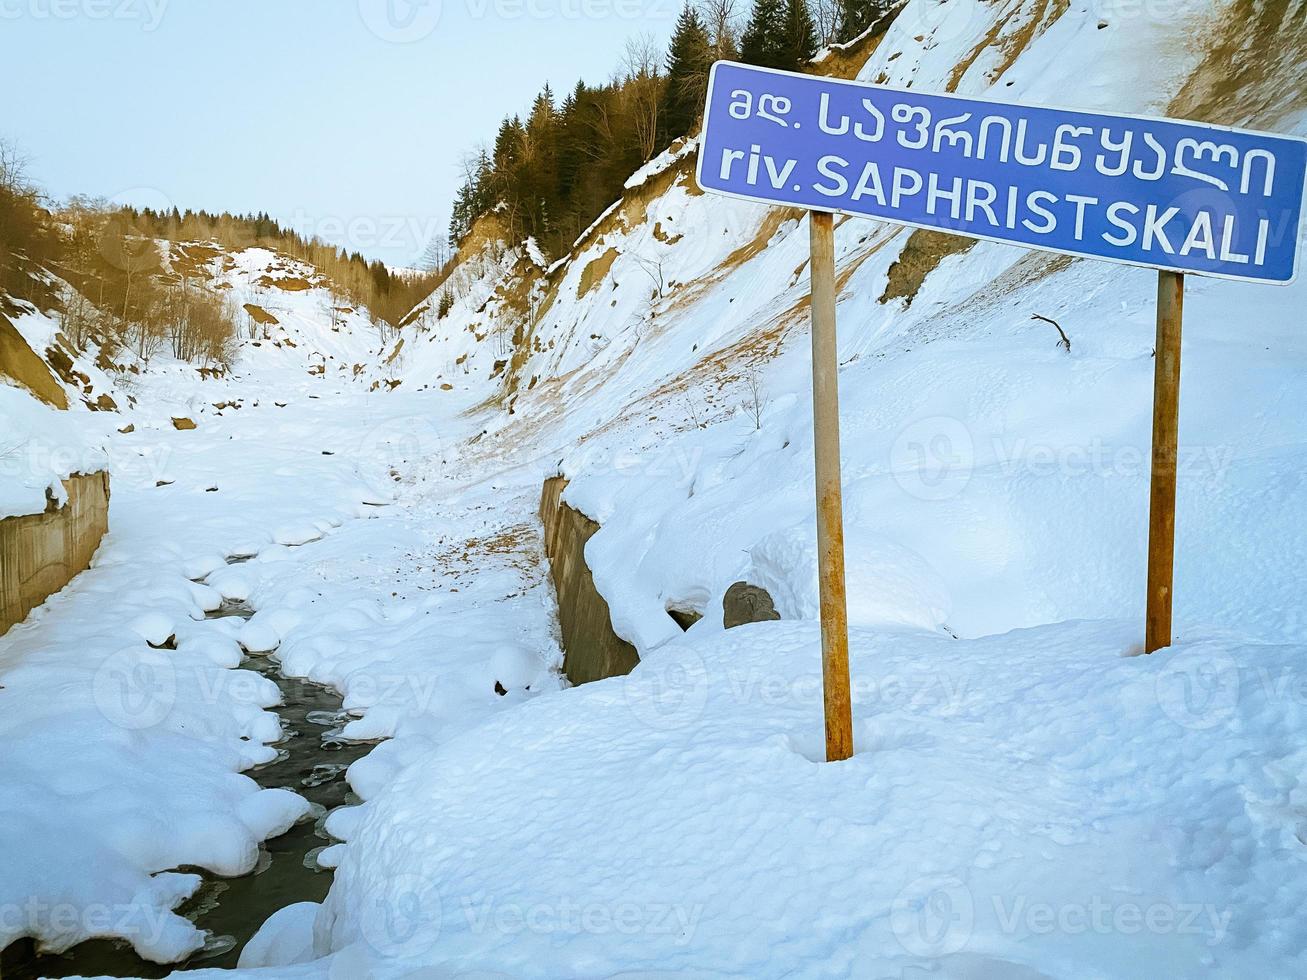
column 346, row 117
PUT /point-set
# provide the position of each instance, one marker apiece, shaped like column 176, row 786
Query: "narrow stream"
column 312, row 759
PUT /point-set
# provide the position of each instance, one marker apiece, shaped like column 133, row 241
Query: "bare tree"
column 437, row 254
column 653, row 268
column 826, row 18
column 754, row 399
column 722, row 18
column 644, row 89
column 13, row 168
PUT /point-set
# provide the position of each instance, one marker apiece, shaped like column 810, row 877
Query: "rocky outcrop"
column 40, row 553
column 745, row 603
column 20, row 364
column 591, row 650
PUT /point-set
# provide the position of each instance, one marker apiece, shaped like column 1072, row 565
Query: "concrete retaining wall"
column 592, row 651
column 40, row 553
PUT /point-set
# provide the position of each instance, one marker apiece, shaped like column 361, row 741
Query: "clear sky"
column 347, row 118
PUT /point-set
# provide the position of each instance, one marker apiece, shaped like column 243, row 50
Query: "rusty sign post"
column 1166, row 447
column 830, row 506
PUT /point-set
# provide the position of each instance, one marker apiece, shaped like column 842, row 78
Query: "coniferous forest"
column 552, row 171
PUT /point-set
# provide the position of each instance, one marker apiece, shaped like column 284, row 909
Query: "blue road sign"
column 1155, row 192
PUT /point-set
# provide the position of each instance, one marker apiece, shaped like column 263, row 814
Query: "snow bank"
column 651, row 822
column 39, row 448
column 127, row 724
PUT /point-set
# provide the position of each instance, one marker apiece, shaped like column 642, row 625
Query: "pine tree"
column 763, row 43
column 857, row 15
column 800, row 35
column 688, row 58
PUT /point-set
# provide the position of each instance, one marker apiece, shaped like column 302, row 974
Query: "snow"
column 1037, row 770
column 285, row 939
column 40, row 447
column 1028, row 797
column 678, row 151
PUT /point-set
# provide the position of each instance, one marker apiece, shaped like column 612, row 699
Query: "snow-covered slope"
column 993, row 481
column 979, row 455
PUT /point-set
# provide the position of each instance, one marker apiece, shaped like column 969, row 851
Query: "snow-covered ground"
column 121, row 760
column 1029, row 797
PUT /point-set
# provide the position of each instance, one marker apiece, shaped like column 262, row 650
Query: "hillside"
column 1029, row 798
column 674, row 303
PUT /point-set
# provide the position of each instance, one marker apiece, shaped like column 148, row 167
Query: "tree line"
column 355, row 280
column 101, row 269
column 553, row 171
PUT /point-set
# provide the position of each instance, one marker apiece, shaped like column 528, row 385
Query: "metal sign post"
column 1179, row 197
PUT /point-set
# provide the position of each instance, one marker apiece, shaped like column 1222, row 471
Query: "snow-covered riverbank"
column 126, row 722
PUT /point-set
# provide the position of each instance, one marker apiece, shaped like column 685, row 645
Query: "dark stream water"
column 312, row 759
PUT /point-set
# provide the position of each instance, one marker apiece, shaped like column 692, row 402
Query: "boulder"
column 745, row 603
